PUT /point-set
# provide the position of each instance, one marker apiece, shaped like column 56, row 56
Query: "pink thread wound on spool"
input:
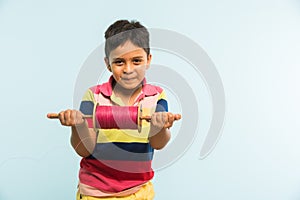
column 119, row 117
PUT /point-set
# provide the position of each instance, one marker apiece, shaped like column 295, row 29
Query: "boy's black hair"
column 123, row 30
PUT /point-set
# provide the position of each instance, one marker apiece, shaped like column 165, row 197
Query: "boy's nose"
column 127, row 68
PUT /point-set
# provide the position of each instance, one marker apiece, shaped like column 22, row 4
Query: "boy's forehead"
column 127, row 49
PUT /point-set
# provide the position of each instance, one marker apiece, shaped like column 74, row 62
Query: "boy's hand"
column 160, row 120
column 70, row 117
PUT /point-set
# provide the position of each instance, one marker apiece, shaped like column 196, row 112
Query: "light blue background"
column 255, row 46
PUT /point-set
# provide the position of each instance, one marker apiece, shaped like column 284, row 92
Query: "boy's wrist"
column 81, row 125
column 156, row 131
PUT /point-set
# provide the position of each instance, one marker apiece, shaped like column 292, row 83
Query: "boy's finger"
column 69, row 118
column 170, row 117
column 61, row 117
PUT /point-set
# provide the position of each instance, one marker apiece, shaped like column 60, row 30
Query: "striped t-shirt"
column 122, row 158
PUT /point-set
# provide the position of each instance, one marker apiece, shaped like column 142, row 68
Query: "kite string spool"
column 120, row 117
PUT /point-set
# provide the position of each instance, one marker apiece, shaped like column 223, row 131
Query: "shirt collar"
column 147, row 90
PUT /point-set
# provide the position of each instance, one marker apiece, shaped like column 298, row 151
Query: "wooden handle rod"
column 147, row 118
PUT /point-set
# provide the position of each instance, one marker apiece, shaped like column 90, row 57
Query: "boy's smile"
column 128, row 64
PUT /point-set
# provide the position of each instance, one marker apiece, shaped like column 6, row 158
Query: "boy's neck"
column 127, row 96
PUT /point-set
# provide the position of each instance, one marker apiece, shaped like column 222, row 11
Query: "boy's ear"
column 149, row 58
column 107, row 63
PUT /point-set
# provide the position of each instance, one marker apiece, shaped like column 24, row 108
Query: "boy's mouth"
column 126, row 78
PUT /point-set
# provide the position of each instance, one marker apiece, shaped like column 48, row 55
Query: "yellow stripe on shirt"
column 123, row 135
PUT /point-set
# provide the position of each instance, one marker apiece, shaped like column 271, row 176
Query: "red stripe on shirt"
column 115, row 176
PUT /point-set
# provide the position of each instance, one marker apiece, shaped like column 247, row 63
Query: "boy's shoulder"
column 150, row 89
column 104, row 88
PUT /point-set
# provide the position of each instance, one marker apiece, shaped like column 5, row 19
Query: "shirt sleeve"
column 87, row 106
column 162, row 103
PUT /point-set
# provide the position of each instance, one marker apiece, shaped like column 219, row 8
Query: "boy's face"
column 128, row 64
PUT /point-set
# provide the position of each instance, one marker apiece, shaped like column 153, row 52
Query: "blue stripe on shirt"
column 123, row 151
column 87, row 107
column 162, row 106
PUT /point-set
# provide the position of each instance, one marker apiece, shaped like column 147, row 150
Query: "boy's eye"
column 118, row 62
column 137, row 61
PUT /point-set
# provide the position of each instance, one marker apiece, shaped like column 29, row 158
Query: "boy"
column 116, row 163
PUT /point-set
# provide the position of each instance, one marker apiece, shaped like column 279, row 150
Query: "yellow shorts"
column 145, row 193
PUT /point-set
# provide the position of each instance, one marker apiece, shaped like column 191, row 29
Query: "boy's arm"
column 160, row 139
column 159, row 129
column 83, row 139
